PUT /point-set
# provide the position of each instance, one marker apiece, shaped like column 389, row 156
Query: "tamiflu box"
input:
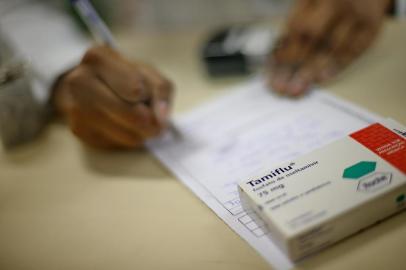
column 333, row 192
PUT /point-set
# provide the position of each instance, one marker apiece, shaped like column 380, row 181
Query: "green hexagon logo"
column 359, row 170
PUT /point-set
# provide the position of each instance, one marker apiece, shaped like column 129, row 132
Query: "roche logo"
column 359, row 169
column 375, row 181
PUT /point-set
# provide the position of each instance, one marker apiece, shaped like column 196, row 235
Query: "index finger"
column 121, row 76
column 162, row 91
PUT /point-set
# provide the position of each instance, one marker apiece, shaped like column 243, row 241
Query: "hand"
column 321, row 38
column 109, row 102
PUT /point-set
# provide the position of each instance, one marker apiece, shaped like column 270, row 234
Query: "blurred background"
column 185, row 15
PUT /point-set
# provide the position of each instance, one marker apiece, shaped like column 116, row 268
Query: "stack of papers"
column 244, row 132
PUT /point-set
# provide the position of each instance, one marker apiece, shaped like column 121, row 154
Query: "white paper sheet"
column 243, row 132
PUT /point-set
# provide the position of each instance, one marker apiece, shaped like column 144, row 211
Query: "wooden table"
column 65, row 206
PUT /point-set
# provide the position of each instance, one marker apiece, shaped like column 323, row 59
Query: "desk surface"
column 65, row 206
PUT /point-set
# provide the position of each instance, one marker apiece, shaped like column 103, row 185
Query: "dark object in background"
column 236, row 50
column 221, row 62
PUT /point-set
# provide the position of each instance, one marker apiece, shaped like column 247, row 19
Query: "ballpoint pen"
column 101, row 33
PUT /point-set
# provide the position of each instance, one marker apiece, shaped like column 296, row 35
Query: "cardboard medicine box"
column 324, row 196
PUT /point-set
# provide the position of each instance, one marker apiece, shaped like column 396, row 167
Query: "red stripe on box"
column 385, row 143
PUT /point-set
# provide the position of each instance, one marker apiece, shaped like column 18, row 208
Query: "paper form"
column 244, row 132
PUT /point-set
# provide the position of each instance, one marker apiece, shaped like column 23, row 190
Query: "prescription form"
column 244, row 132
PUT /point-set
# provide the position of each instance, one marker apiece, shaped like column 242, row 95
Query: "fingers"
column 320, row 68
column 311, row 20
column 340, row 35
column 137, row 118
column 162, row 93
column 100, row 118
column 104, row 134
column 322, row 37
column 292, row 67
column 117, row 73
column 295, row 82
column 280, row 78
column 361, row 39
column 134, row 83
column 112, row 103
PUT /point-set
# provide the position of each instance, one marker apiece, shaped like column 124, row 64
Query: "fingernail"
column 279, row 85
column 328, row 73
column 162, row 111
column 297, row 86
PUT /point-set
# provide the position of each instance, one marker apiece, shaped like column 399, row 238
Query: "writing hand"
column 109, row 102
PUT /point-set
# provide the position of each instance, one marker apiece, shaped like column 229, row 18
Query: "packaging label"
column 385, row 143
column 332, row 192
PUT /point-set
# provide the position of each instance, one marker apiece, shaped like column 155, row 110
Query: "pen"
column 96, row 25
column 101, row 32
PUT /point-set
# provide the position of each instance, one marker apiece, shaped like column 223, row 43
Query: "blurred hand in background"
column 110, row 102
column 321, row 38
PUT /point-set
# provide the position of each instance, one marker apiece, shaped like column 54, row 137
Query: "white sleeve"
column 47, row 38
